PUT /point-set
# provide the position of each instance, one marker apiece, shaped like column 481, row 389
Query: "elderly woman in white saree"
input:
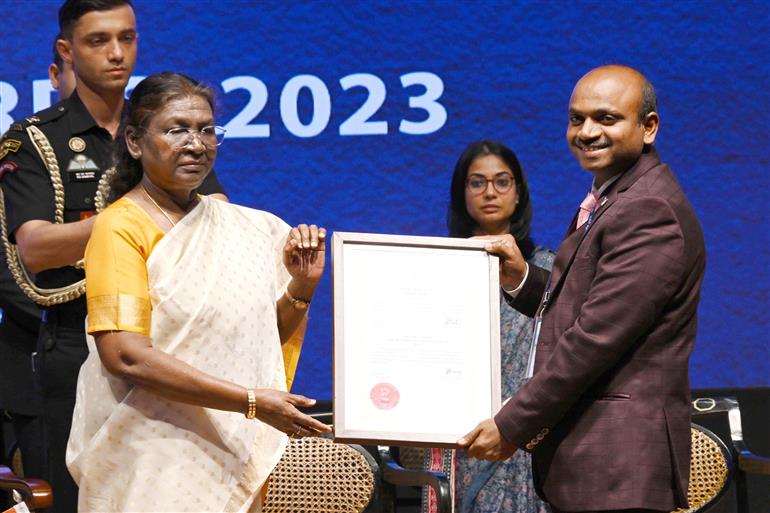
column 197, row 308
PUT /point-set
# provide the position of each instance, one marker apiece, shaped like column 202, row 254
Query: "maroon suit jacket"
column 607, row 413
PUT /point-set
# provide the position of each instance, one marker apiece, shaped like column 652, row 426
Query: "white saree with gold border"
column 214, row 281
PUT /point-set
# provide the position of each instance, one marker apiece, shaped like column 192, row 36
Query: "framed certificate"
column 416, row 338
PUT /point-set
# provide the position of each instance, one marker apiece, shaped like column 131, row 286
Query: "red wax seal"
column 384, row 396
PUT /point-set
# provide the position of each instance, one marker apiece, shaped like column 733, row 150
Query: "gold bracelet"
column 297, row 302
column 251, row 413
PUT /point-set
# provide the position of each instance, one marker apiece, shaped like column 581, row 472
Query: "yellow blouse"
column 117, row 289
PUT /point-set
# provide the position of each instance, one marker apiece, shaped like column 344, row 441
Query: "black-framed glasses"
column 477, row 184
column 180, row 137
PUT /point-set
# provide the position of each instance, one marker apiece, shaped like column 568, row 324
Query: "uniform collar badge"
column 77, row 144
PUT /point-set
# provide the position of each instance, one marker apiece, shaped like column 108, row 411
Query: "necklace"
column 158, row 206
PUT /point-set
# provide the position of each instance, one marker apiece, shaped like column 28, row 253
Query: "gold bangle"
column 251, row 413
column 297, row 302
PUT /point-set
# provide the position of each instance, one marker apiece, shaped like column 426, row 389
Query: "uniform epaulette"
column 10, row 142
column 15, row 127
column 44, row 116
column 39, row 118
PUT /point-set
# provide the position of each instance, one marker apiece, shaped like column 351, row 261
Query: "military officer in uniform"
column 50, row 167
column 19, row 325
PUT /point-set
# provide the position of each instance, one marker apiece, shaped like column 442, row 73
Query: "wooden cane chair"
column 715, row 464
column 711, row 468
column 316, row 475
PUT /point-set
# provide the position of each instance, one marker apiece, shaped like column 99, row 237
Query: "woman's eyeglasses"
column 180, row 137
column 477, row 184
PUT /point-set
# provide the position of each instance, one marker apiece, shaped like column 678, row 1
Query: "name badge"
column 84, row 176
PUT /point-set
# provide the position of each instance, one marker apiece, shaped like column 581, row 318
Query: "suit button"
column 545, row 431
column 529, row 446
column 540, row 436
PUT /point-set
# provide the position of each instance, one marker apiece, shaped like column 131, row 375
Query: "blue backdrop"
column 351, row 114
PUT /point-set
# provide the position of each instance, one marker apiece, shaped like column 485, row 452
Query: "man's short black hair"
column 72, row 10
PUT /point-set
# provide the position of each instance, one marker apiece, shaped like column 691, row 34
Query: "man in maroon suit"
column 606, row 414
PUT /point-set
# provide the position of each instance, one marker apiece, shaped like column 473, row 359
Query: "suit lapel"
column 569, row 246
column 565, row 255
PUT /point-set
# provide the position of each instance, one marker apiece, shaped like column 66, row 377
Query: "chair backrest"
column 746, row 463
column 34, row 492
column 316, row 475
column 711, row 468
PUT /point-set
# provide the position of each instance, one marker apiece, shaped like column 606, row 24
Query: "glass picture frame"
column 416, row 338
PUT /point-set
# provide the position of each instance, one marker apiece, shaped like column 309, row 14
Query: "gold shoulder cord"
column 46, row 297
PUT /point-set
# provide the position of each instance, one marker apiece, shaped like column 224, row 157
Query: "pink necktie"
column 588, row 204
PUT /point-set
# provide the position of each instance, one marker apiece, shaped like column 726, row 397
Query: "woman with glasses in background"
column 197, row 309
column 489, row 196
